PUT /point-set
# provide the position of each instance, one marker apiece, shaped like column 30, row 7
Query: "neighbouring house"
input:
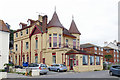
column 108, row 49
column 49, row 43
column 91, row 48
column 113, row 49
column 4, row 44
column 114, row 52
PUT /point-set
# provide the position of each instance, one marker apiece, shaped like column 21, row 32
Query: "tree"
column 108, row 57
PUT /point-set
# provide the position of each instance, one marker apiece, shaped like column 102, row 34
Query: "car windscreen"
column 116, row 67
column 62, row 65
column 43, row 65
column 33, row 65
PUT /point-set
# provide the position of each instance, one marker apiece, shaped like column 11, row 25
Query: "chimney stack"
column 40, row 18
column 44, row 22
column 105, row 43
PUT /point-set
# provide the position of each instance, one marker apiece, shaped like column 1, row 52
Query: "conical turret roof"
column 55, row 22
column 73, row 28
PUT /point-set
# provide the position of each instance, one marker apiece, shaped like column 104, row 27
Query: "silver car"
column 57, row 67
column 41, row 67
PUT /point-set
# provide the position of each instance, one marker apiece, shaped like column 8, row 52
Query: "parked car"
column 57, row 67
column 18, row 66
column 114, row 70
column 25, row 64
column 41, row 67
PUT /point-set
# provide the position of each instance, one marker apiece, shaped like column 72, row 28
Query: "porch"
column 79, row 61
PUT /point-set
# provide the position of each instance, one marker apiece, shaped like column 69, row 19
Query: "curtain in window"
column 59, row 40
column 85, row 60
column 91, row 60
column 50, row 40
column 54, row 40
column 97, row 60
column 74, row 43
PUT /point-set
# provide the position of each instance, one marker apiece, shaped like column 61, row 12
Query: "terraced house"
column 49, row 43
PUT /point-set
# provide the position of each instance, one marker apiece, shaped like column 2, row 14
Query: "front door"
column 71, row 64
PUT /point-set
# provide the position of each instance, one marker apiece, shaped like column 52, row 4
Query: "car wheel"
column 49, row 69
column 111, row 74
column 58, row 70
column 65, row 70
column 45, row 73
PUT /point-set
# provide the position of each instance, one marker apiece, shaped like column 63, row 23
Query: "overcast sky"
column 97, row 20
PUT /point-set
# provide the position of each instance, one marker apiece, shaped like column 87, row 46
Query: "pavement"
column 51, row 74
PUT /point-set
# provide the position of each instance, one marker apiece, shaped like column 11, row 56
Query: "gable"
column 35, row 31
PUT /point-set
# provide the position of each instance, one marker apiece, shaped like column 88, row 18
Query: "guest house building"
column 49, row 43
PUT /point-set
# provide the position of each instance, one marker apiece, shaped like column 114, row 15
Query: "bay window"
column 97, row 60
column 91, row 60
column 54, row 40
column 59, row 40
column 74, row 43
column 85, row 60
column 66, row 42
column 78, row 44
column 50, row 41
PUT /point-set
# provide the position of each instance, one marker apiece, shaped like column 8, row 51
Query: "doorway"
column 71, row 64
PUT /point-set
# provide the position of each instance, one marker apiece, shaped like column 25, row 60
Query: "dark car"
column 114, row 70
column 25, row 64
column 18, row 66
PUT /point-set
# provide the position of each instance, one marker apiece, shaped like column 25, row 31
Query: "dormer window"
column 21, row 33
column 16, row 34
column 28, row 23
column 20, row 25
column 26, row 31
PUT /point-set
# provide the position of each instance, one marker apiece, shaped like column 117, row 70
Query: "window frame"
column 86, row 60
column 27, row 45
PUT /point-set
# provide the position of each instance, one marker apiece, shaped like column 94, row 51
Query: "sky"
column 97, row 20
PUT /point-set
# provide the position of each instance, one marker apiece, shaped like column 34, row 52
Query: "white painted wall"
column 4, row 48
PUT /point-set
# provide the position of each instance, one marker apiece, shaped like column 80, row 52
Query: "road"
column 94, row 74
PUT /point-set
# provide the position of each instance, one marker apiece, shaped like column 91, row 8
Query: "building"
column 49, row 43
column 114, row 52
column 108, row 49
column 113, row 49
column 4, row 44
column 91, row 48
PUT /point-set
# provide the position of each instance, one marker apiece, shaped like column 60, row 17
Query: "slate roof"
column 88, row 45
column 55, row 22
column 66, row 32
column 3, row 26
column 106, row 47
column 73, row 28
